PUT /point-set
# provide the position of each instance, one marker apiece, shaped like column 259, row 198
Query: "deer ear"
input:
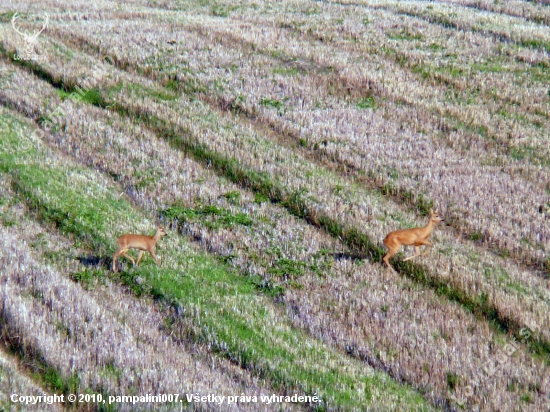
column 431, row 211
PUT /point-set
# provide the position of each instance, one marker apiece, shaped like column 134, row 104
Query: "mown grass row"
column 215, row 305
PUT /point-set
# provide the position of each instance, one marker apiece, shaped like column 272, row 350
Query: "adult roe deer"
column 411, row 237
column 141, row 242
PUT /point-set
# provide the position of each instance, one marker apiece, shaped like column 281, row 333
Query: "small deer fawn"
column 411, row 237
column 141, row 242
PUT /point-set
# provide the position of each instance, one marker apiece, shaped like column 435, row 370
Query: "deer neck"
column 429, row 228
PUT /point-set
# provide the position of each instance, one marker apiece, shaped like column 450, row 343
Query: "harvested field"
column 278, row 143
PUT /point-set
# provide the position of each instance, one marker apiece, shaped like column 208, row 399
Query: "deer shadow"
column 348, row 256
column 96, row 261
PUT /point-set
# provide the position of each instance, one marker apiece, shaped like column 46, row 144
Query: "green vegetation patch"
column 221, row 10
column 88, row 277
column 167, row 93
column 192, row 86
column 213, row 217
column 536, row 44
column 287, row 268
column 63, row 205
column 261, row 198
column 274, row 103
column 435, row 47
column 287, row 71
column 233, row 197
column 366, row 103
column 93, row 96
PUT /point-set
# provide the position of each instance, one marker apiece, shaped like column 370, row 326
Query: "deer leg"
column 123, row 253
column 388, row 255
column 428, row 245
column 416, row 253
column 139, row 257
column 152, row 251
column 114, row 262
column 119, row 252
